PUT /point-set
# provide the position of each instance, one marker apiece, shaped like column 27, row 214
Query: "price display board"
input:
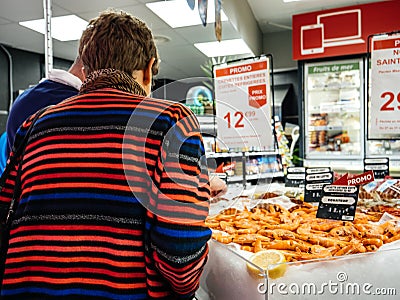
column 243, row 105
column 380, row 166
column 316, row 179
column 295, row 177
column 385, row 87
column 338, row 202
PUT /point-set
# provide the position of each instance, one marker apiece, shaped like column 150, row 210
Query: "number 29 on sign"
column 390, row 97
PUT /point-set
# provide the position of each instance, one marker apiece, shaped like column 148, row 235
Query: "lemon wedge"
column 270, row 260
column 301, row 197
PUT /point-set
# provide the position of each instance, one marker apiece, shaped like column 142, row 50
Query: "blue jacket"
column 45, row 93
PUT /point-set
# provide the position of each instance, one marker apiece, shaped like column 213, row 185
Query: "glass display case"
column 333, row 93
column 354, row 276
column 317, row 268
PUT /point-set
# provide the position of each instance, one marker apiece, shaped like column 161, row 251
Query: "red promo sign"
column 360, row 179
column 257, row 95
column 343, row 31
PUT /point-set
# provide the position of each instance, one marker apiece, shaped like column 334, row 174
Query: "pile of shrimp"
column 299, row 234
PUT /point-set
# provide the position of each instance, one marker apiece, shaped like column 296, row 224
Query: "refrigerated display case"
column 355, row 276
column 333, row 114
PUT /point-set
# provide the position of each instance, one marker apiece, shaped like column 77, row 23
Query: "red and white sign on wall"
column 243, row 105
column 257, row 95
column 342, row 31
column 385, row 88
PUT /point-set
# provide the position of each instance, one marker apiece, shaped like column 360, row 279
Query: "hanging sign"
column 191, row 4
column 385, row 88
column 202, row 6
column 243, row 105
column 218, row 20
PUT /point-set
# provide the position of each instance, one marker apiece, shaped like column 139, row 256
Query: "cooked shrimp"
column 324, row 226
column 225, row 239
column 258, row 245
column 253, row 229
column 345, row 231
column 290, row 226
column 227, row 226
column 393, row 238
column 247, row 248
column 373, row 241
column 346, row 250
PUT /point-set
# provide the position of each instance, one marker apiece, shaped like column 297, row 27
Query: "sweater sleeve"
column 178, row 234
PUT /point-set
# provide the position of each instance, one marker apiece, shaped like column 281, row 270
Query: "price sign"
column 295, row 177
column 338, row 202
column 380, row 166
column 315, row 180
column 243, row 105
column 385, row 88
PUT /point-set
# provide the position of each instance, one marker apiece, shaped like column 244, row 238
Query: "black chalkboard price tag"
column 338, row 202
column 295, row 177
column 316, row 179
column 380, row 166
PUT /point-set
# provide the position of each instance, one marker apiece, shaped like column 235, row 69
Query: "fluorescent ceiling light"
column 224, row 48
column 287, row 1
column 177, row 13
column 65, row 28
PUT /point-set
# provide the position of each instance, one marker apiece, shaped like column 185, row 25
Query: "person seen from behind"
column 59, row 86
column 114, row 184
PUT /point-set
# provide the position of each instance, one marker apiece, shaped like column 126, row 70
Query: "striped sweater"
column 114, row 196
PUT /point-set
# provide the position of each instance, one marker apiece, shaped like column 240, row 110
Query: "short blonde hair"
column 117, row 40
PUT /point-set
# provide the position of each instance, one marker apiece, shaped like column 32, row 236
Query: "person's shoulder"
column 26, row 95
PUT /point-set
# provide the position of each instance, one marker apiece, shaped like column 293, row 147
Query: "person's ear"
column 148, row 73
column 84, row 73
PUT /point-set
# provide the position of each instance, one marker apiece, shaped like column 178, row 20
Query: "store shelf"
column 333, row 88
column 325, row 128
column 345, row 165
column 337, row 108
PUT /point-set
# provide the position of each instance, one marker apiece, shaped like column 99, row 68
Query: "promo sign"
column 338, row 202
column 385, row 89
column 243, row 105
column 360, row 179
column 380, row 166
column 295, row 177
column 316, row 179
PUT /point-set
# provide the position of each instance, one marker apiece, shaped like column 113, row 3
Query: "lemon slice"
column 270, row 260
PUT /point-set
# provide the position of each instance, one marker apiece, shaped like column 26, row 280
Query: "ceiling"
column 179, row 58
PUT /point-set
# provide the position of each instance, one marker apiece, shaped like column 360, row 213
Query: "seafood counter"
column 299, row 234
column 271, row 246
